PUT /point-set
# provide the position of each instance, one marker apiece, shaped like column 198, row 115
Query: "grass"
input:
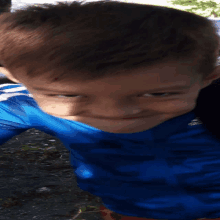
column 84, row 210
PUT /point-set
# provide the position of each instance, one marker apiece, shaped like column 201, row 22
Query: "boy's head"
column 102, row 62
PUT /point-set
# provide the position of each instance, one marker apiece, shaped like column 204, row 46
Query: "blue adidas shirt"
column 171, row 171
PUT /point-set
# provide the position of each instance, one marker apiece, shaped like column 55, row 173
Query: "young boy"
column 117, row 83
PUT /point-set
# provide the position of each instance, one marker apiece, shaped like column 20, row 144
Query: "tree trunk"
column 5, row 6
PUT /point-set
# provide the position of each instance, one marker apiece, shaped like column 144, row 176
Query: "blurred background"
column 206, row 8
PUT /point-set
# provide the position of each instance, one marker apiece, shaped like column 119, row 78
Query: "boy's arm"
column 13, row 117
column 7, row 134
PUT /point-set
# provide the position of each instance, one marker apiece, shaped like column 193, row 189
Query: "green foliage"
column 205, row 8
column 86, row 209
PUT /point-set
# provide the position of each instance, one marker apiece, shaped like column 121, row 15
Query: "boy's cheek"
column 56, row 109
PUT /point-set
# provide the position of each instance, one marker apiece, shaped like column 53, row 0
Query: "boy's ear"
column 8, row 75
column 212, row 77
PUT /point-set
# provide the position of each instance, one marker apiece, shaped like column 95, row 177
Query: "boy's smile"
column 134, row 102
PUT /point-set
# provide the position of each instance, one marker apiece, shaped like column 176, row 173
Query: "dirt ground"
column 37, row 181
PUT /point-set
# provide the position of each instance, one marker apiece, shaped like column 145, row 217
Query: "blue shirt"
column 171, row 171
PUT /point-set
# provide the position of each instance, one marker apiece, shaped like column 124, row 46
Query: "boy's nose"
column 115, row 112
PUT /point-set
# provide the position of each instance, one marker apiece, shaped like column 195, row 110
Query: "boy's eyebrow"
column 152, row 90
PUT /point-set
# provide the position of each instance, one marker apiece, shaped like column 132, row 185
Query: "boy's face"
column 147, row 94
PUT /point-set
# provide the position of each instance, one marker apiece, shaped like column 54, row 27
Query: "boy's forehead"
column 161, row 75
column 168, row 71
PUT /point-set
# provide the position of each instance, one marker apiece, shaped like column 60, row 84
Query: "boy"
column 117, row 83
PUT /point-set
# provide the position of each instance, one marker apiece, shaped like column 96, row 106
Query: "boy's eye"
column 162, row 94
column 68, row 96
column 167, row 94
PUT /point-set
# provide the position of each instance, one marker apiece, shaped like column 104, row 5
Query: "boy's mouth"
column 130, row 118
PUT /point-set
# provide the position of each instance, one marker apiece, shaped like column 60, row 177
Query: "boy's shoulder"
column 15, row 93
column 15, row 103
column 12, row 89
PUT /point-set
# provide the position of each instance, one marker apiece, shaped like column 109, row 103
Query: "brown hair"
column 97, row 39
